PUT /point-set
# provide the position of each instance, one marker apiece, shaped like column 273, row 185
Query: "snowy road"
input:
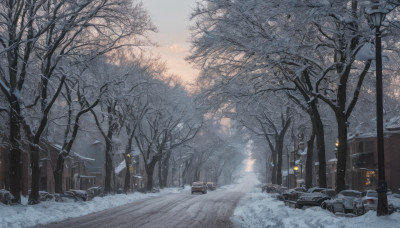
column 176, row 210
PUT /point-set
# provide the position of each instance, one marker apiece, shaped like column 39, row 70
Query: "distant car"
column 199, row 187
column 368, row 201
column 67, row 196
column 311, row 199
column 45, row 196
column 211, row 186
column 72, row 196
column 95, row 191
column 344, row 202
column 81, row 195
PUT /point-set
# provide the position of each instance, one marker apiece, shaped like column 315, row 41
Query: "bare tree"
column 47, row 32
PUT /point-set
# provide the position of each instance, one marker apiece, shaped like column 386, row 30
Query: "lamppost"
column 377, row 15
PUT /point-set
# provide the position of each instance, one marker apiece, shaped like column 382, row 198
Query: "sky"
column 171, row 17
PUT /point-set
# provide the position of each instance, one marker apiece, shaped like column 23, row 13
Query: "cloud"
column 176, row 48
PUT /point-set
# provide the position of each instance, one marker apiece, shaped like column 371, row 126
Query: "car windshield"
column 372, row 194
column 351, row 193
column 329, row 192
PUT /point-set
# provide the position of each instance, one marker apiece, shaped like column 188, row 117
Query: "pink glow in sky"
column 172, row 20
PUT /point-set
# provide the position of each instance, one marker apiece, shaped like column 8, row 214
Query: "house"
column 75, row 175
column 136, row 181
column 362, row 150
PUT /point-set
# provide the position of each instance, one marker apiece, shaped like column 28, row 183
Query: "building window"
column 370, row 177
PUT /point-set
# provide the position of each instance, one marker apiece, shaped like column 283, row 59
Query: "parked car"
column 315, row 189
column 211, row 186
column 330, row 192
column 273, row 188
column 368, row 201
column 72, row 196
column 293, row 194
column 45, row 196
column 81, row 195
column 95, row 191
column 67, row 196
column 344, row 202
column 199, row 187
column 5, row 196
column 270, row 188
column 311, row 199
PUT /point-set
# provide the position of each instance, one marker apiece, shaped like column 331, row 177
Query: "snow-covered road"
column 175, row 210
column 238, row 205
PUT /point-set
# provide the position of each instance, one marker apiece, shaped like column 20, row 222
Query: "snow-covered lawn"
column 258, row 209
column 47, row 212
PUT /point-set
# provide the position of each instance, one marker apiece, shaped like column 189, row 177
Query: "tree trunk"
column 273, row 180
column 342, row 153
column 165, row 169
column 34, row 196
column 150, row 171
column 320, row 135
column 58, row 174
column 127, row 182
column 267, row 171
column 108, row 163
column 309, row 161
column 15, row 150
column 159, row 172
column 279, row 166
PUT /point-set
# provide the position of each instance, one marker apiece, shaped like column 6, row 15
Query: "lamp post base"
column 382, row 208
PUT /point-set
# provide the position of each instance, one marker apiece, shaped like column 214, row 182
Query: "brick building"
column 363, row 159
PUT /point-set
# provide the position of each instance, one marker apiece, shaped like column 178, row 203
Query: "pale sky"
column 172, row 20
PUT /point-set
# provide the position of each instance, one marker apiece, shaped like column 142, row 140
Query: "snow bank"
column 263, row 210
column 47, row 212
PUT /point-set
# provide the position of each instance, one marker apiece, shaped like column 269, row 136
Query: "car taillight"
column 370, row 201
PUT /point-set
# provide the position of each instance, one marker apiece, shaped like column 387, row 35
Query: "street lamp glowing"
column 377, row 14
column 337, row 144
column 296, row 168
column 128, row 155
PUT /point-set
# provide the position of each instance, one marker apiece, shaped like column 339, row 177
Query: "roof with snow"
column 333, row 160
column 120, row 167
column 393, row 124
column 75, row 154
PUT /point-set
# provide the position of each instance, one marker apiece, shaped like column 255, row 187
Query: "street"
column 175, row 210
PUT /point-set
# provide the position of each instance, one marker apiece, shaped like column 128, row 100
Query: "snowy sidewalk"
column 46, row 212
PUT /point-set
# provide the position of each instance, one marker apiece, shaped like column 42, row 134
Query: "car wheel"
column 356, row 211
column 299, row 206
column 363, row 210
column 323, row 205
column 192, row 193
